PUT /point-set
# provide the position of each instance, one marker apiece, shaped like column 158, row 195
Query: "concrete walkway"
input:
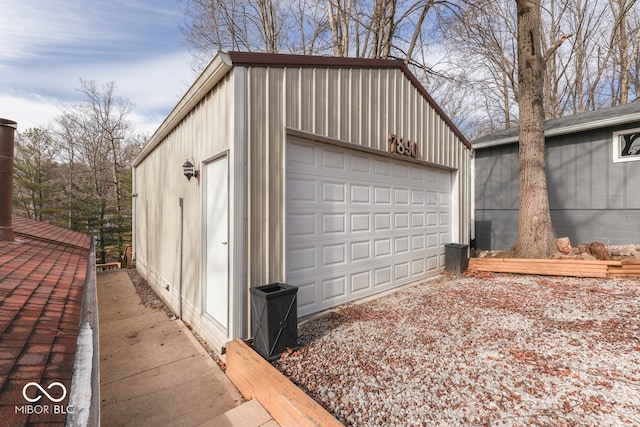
column 153, row 371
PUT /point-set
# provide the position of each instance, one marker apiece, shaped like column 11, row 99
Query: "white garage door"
column 357, row 223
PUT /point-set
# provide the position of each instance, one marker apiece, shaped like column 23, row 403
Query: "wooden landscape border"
column 257, row 378
column 558, row 267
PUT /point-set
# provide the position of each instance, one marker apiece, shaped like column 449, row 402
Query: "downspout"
column 134, row 207
column 181, row 203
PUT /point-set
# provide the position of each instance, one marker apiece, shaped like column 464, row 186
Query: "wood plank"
column 553, row 267
column 557, row 267
column 584, row 262
column 257, row 378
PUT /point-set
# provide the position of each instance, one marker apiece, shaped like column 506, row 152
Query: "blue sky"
column 47, row 46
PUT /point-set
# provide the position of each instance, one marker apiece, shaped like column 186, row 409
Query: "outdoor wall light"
column 190, row 170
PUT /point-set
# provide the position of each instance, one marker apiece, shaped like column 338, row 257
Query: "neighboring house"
column 593, row 177
column 49, row 365
column 297, row 184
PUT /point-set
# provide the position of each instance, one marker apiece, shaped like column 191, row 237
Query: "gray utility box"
column 456, row 257
column 274, row 318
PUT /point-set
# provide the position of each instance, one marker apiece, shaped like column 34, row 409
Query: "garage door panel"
column 303, row 225
column 301, row 154
column 303, row 259
column 444, row 218
column 302, row 190
column 401, row 245
column 444, row 238
column 382, row 195
column 333, row 159
column 333, row 288
column 358, row 223
column 360, row 165
column 360, row 193
column 333, row 192
column 417, row 220
column 382, row 247
column 306, row 295
column 432, row 263
column 333, row 223
column 333, row 255
column 401, row 220
column 417, row 242
column 418, row 267
column 361, row 251
column 382, row 169
column 382, row 221
column 417, row 197
column 401, row 196
column 401, row 271
column 361, row 282
column 382, row 276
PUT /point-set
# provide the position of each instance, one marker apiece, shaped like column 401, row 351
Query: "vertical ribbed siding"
column 160, row 182
column 357, row 105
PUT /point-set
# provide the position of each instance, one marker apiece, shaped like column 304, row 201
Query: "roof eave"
column 249, row 59
column 564, row 130
column 219, row 66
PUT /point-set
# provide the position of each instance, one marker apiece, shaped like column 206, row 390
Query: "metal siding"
column 307, row 94
column 360, row 106
column 275, row 170
column 294, row 97
column 160, row 183
column 257, row 141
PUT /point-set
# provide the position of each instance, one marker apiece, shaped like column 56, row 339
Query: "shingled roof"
column 604, row 117
column 42, row 277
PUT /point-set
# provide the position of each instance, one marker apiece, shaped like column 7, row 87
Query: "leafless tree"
column 96, row 140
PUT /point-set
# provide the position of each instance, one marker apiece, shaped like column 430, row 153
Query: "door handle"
column 224, row 243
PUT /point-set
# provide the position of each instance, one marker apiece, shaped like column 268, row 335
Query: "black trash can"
column 456, row 257
column 274, row 319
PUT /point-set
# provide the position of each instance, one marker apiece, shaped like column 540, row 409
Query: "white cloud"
column 46, row 47
column 29, row 110
column 153, row 85
column 33, row 28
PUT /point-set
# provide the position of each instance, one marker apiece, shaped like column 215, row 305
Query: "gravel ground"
column 477, row 351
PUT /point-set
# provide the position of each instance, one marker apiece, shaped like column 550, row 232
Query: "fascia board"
column 564, row 130
column 213, row 73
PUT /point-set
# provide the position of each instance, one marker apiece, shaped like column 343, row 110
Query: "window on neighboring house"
column 626, row 145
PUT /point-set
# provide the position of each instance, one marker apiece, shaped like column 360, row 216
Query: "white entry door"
column 216, row 292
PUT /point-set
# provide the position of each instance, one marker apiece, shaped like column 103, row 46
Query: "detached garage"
column 340, row 176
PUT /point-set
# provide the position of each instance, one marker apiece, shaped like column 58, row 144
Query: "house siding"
column 591, row 198
column 159, row 185
column 342, row 104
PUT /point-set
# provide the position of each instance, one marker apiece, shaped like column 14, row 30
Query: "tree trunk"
column 535, row 232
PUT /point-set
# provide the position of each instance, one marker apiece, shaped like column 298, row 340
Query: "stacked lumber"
column 545, row 267
column 627, row 268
